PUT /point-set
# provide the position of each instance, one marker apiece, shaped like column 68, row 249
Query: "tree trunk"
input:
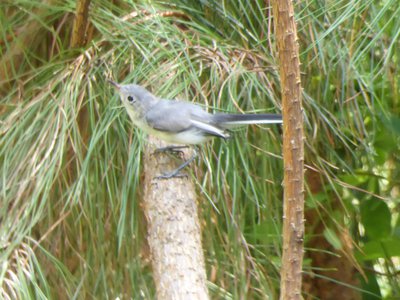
column 293, row 149
column 174, row 234
column 81, row 22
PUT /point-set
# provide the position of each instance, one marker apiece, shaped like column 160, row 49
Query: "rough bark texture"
column 293, row 150
column 79, row 32
column 174, row 233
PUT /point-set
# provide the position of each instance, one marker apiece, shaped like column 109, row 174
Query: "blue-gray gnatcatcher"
column 181, row 122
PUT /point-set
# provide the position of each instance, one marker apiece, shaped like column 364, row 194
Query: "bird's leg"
column 176, row 172
column 171, row 149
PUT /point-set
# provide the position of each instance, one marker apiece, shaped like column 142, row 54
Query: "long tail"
column 231, row 120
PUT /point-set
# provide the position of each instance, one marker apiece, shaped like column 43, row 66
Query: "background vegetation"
column 71, row 223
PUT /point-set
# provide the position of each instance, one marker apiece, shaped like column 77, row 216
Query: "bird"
column 182, row 122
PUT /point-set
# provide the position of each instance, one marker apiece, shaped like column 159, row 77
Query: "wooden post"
column 174, row 234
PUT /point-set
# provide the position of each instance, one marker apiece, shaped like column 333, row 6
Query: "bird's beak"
column 118, row 86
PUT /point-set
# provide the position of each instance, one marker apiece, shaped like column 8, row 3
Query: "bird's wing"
column 176, row 116
column 168, row 116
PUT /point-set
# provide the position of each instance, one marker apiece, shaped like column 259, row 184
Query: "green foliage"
column 70, row 162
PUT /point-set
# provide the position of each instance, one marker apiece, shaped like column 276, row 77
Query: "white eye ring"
column 131, row 99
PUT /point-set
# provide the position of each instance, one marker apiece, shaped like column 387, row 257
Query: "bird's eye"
column 131, row 99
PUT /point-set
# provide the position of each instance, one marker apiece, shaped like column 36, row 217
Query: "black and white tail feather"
column 246, row 119
column 222, row 123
